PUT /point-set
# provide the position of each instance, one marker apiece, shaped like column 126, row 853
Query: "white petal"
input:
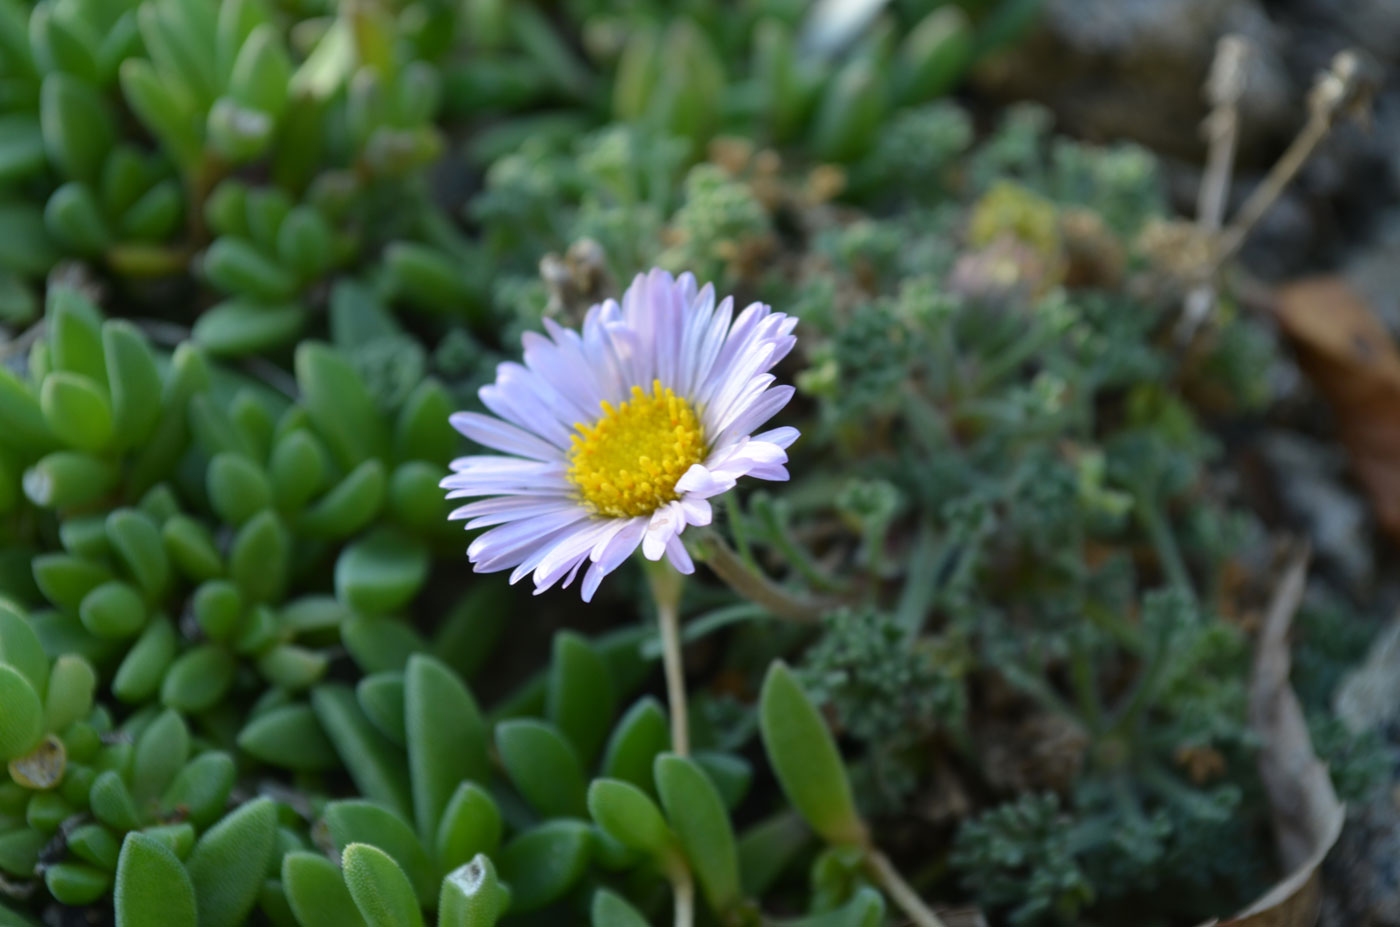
column 664, row 524
column 502, row 436
column 609, row 555
column 505, row 540
column 783, row 437
column 748, row 414
column 679, row 557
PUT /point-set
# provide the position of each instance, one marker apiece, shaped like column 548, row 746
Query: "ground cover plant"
column 943, row 596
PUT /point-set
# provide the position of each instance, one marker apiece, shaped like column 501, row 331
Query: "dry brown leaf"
column 1351, row 358
column 1307, row 816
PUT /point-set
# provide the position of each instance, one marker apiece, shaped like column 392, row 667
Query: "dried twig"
column 1223, row 89
column 1344, row 90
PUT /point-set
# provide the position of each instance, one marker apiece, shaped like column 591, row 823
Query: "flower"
column 617, row 436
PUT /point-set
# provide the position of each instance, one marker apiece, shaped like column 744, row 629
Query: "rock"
column 1134, row 69
column 1310, row 479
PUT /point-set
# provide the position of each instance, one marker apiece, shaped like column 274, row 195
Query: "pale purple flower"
column 617, row 436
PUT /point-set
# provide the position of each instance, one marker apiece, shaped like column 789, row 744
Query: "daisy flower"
column 617, row 436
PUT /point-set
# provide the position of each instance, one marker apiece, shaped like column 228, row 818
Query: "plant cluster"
column 254, row 254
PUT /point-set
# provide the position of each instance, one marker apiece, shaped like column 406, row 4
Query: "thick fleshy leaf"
column 629, row 816
column 581, row 698
column 805, row 759
column 198, row 679
column 472, row 895
column 612, row 910
column 113, row 610
column 20, row 648
column 238, row 488
column 317, row 893
column 543, row 767
column 446, row 739
column 137, row 541
column 470, row 824
column 289, row 737
column 381, row 644
column 77, row 410
column 348, row 506
column 381, row 891
column 76, row 884
column 381, row 697
column 260, row 558
column 133, row 380
column 701, row 822
column 638, row 739
column 341, row 408
column 143, row 668
column 374, row 764
column 229, row 862
column 22, row 721
column 152, row 887
column 201, row 788
column 381, row 572
column 358, row 821
column 543, row 863
column 161, row 751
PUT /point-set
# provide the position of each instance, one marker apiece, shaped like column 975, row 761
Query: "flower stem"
column 666, row 591
column 683, row 888
column 755, row 587
column 883, row 871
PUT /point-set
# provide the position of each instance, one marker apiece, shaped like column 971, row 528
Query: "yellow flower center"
column 628, row 461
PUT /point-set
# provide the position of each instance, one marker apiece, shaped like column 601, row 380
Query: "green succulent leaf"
column 446, row 738
column 77, row 411
column 701, row 822
column 201, row 788
column 610, row 909
column 543, row 863
column 358, row 821
column 289, row 737
column 472, row 895
column 629, row 816
column 470, row 824
column 373, row 762
column 230, row 861
column 636, row 741
column 161, row 751
column 198, row 679
column 805, row 759
column 77, row 884
column 581, row 698
column 72, row 683
column 381, row 572
column 381, row 696
column 349, row 505
column 22, row 721
column 340, row 407
column 143, row 668
column 152, row 887
column 382, row 893
column 543, row 767
column 317, row 893
column 20, row 648
column 259, row 560
column 137, row 541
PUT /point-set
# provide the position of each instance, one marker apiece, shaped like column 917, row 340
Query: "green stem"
column 757, row 588
column 884, row 873
column 683, row 888
column 666, row 591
